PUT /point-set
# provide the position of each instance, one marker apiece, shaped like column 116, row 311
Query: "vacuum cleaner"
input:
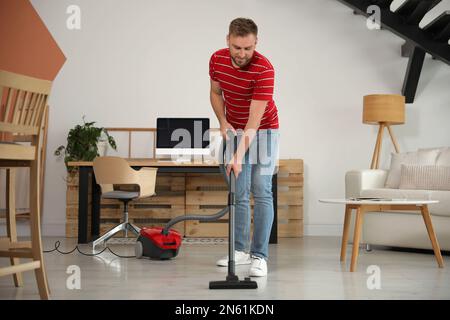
column 155, row 243
column 163, row 243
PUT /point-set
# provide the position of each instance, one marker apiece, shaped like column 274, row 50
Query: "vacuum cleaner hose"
column 212, row 217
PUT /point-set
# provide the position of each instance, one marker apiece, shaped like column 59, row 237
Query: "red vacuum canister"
column 154, row 244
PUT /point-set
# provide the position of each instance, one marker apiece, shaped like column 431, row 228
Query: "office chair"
column 110, row 171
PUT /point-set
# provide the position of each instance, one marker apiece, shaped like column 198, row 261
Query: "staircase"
column 404, row 22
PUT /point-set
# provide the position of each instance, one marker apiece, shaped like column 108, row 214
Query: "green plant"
column 82, row 143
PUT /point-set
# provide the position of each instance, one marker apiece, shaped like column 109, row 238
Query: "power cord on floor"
column 58, row 244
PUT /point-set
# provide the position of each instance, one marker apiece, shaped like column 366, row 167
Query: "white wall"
column 133, row 61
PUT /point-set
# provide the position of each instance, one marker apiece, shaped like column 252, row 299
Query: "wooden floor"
column 307, row 268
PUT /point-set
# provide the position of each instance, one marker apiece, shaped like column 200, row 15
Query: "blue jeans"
column 258, row 167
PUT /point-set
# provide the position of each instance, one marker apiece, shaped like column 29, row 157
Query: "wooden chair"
column 110, row 171
column 14, row 173
column 22, row 105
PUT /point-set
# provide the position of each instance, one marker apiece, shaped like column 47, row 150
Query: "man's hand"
column 224, row 126
column 234, row 165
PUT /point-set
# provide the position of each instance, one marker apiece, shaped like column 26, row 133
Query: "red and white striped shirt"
column 242, row 85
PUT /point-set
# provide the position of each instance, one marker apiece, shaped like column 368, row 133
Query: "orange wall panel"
column 26, row 45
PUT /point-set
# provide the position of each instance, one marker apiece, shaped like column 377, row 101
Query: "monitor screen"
column 182, row 135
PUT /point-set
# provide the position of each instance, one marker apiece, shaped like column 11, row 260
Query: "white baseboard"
column 329, row 230
column 59, row 229
column 54, row 229
column 48, row 229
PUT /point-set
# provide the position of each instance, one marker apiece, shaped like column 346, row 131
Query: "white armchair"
column 357, row 180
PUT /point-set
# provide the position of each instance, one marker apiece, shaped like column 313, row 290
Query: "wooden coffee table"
column 364, row 206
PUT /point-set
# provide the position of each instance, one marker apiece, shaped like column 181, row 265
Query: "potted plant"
column 83, row 143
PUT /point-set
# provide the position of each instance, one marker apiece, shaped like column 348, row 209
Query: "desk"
column 85, row 168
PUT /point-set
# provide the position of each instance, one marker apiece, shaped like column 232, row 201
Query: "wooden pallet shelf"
column 179, row 194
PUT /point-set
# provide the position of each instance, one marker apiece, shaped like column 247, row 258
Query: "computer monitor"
column 182, row 136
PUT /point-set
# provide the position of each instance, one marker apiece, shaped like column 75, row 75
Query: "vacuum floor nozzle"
column 234, row 284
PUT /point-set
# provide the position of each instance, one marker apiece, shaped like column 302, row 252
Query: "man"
column 242, row 83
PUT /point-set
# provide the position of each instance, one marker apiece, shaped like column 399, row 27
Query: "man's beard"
column 243, row 63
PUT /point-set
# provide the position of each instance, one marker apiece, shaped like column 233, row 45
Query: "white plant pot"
column 102, row 147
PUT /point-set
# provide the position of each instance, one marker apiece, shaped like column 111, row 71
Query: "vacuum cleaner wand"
column 232, row 280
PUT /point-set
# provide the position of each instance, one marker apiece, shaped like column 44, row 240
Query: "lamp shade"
column 384, row 108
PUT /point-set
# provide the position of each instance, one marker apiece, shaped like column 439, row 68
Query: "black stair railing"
column 404, row 22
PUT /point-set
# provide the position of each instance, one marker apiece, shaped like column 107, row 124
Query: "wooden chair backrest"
column 22, row 103
column 110, row 171
column 113, row 170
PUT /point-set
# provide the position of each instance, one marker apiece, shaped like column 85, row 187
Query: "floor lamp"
column 383, row 110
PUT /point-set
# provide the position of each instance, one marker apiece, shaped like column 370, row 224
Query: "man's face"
column 241, row 49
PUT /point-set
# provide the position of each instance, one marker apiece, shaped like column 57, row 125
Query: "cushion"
column 120, row 195
column 423, row 177
column 444, row 157
column 421, row 157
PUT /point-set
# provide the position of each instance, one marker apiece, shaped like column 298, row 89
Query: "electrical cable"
column 58, row 244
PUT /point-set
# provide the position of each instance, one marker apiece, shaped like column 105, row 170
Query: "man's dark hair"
column 242, row 27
